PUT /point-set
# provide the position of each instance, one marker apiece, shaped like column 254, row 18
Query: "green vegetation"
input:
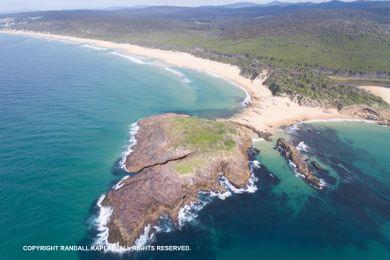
column 203, row 135
column 361, row 82
column 207, row 137
column 189, row 165
column 317, row 89
column 301, row 44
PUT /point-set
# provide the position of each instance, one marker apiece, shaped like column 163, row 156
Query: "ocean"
column 65, row 115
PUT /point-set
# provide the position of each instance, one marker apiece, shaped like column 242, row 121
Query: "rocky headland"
column 175, row 158
column 379, row 115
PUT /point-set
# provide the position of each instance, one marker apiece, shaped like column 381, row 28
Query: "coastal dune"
column 265, row 112
column 382, row 92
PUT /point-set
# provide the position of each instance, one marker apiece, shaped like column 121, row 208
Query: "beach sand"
column 382, row 92
column 265, row 111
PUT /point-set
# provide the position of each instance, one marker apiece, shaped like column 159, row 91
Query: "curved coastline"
column 263, row 112
column 217, row 178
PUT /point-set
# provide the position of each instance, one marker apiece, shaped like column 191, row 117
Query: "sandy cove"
column 382, row 92
column 265, row 111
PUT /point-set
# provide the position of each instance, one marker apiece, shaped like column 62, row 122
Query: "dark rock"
column 382, row 115
column 170, row 174
column 291, row 153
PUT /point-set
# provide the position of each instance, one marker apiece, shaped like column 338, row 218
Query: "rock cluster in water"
column 291, row 153
column 381, row 115
column 175, row 157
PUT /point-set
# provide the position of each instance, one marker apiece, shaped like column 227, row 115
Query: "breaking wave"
column 120, row 184
column 183, row 78
column 129, row 148
column 130, row 58
column 94, row 47
column 145, row 237
column 104, row 213
column 247, row 99
column 189, row 212
column 101, row 222
column 292, row 129
column 302, row 147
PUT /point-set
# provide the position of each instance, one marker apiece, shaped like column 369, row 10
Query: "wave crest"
column 183, row 77
column 127, row 57
column 129, row 148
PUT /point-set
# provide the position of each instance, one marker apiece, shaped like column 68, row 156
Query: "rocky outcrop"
column 260, row 134
column 291, row 153
column 381, row 115
column 175, row 158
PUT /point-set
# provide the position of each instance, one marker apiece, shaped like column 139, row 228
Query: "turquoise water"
column 65, row 113
column 287, row 219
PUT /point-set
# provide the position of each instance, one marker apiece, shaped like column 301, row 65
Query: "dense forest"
column 300, row 44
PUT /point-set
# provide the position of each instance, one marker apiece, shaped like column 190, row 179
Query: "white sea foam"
column 189, row 212
column 302, row 147
column 145, row 237
column 164, row 225
column 256, row 164
column 300, row 175
column 183, row 77
column 128, row 57
column 292, row 128
column 104, row 213
column 94, row 47
column 322, row 183
column 256, row 140
column 129, row 148
column 121, row 183
column 292, row 164
column 101, row 222
column 247, row 99
column 176, row 72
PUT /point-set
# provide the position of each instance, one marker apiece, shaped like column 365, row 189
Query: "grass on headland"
column 203, row 135
column 189, row 165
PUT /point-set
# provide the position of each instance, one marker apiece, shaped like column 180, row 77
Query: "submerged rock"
column 291, row 153
column 175, row 158
column 381, row 115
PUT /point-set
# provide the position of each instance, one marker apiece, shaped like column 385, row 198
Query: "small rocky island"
column 291, row 153
column 175, row 157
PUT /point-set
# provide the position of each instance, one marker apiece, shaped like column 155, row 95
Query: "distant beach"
column 265, row 112
column 382, row 92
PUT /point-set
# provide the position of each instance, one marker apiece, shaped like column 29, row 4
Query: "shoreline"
column 264, row 111
column 379, row 91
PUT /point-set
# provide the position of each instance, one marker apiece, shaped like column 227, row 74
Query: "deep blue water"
column 65, row 112
column 288, row 219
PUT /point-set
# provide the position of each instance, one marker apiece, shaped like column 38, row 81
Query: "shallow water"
column 65, row 113
column 287, row 219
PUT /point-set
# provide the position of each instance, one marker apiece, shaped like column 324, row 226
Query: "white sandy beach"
column 265, row 112
column 382, row 92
